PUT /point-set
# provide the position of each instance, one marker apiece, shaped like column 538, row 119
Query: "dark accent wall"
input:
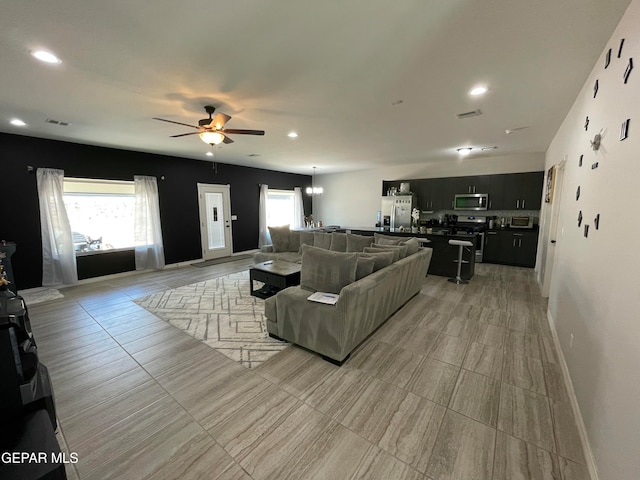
column 20, row 217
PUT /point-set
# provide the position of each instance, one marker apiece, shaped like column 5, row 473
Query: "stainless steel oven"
column 476, row 225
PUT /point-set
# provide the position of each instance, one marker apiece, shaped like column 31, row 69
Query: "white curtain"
column 58, row 257
column 298, row 209
column 147, row 229
column 264, row 238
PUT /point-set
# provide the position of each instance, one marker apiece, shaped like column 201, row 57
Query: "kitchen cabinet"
column 516, row 191
column 511, row 247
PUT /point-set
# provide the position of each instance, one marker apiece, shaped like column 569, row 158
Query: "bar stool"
column 461, row 244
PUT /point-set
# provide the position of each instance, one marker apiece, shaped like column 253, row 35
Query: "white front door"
column 215, row 220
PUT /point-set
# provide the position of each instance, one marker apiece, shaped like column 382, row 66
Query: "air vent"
column 473, row 113
column 509, row 131
column 484, row 149
column 57, row 122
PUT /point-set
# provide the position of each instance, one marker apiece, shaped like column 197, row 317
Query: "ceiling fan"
column 211, row 130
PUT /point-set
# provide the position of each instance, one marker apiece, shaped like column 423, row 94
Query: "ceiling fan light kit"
column 211, row 130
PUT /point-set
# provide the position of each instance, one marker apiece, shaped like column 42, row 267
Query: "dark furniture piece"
column 9, row 248
column 511, row 247
column 276, row 275
column 27, row 408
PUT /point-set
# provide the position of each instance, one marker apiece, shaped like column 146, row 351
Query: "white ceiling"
column 329, row 70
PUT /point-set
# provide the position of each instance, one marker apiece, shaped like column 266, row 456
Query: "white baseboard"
column 582, row 430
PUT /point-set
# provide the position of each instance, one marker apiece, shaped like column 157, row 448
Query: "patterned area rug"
column 221, row 313
column 39, row 296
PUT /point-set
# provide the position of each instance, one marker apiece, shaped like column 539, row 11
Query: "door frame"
column 552, row 233
column 225, row 190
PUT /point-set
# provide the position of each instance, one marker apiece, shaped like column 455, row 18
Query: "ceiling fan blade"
column 227, row 140
column 185, row 134
column 219, row 120
column 177, row 123
column 243, row 132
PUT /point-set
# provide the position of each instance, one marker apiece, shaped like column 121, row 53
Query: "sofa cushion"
column 364, row 266
column 401, row 248
column 326, row 271
column 338, row 242
column 294, row 240
column 280, row 238
column 292, row 257
column 357, row 243
column 379, row 249
column 386, row 239
column 413, row 245
column 381, row 258
column 322, row 240
column 306, row 238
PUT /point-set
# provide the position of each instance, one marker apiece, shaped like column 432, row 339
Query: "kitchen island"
column 444, row 261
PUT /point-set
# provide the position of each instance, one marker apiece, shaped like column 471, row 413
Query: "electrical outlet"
column 571, row 341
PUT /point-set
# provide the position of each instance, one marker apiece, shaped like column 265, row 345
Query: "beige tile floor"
column 462, row 383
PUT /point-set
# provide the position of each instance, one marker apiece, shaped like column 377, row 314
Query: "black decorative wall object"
column 594, row 166
column 627, row 71
column 586, row 124
column 624, row 129
column 607, row 59
column 578, row 193
column 580, row 218
column 595, row 89
column 596, row 221
column 580, row 161
column 586, row 230
column 620, row 47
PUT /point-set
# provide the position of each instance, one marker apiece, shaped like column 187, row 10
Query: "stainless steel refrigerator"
column 396, row 211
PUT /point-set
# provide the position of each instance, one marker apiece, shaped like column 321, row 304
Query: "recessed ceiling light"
column 464, row 151
column 17, row 122
column 209, row 154
column 45, row 56
column 292, row 134
column 479, row 90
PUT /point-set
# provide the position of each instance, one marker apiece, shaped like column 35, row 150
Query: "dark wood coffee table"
column 276, row 275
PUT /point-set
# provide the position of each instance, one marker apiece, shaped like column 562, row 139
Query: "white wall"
column 595, row 287
column 352, row 199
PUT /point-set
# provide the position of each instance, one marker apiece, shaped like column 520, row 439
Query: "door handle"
column 517, row 203
column 520, row 243
column 514, row 242
column 522, row 203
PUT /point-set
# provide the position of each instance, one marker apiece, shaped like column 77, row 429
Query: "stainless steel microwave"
column 522, row 222
column 471, row 201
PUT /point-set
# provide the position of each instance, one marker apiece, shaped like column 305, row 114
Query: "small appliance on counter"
column 522, row 222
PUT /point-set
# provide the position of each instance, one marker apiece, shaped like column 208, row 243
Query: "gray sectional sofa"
column 364, row 304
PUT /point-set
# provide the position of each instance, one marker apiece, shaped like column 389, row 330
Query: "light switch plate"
column 234, row 217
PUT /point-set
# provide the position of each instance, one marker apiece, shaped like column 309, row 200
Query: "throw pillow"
column 322, row 240
column 394, row 251
column 357, row 243
column 326, row 271
column 294, row 240
column 306, row 238
column 401, row 248
column 338, row 242
column 381, row 259
column 364, row 266
column 280, row 238
column 413, row 245
column 386, row 239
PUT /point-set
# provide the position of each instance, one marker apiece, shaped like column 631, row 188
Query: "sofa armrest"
column 266, row 248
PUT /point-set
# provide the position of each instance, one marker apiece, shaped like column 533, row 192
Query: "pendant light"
column 313, row 190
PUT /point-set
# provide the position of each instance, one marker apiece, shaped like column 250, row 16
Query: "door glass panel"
column 215, row 219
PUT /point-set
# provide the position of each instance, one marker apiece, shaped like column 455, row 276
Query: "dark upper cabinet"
column 513, row 191
column 516, row 191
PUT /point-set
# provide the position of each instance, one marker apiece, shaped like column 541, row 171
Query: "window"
column 101, row 214
column 280, row 208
